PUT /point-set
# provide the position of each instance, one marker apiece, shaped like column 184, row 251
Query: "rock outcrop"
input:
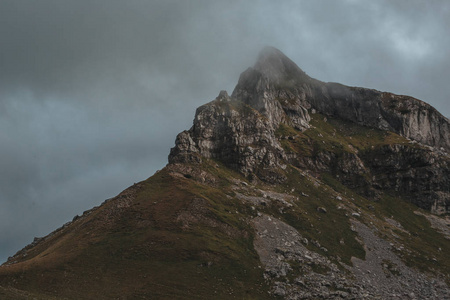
column 277, row 88
column 235, row 134
column 422, row 176
column 241, row 132
column 276, row 77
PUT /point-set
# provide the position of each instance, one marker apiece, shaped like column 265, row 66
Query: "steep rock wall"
column 236, row 135
column 276, row 83
column 240, row 132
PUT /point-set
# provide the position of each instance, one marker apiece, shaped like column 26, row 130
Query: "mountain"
column 290, row 188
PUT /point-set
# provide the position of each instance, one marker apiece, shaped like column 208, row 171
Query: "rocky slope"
column 240, row 131
column 290, row 188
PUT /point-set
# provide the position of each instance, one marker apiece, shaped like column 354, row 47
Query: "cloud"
column 93, row 93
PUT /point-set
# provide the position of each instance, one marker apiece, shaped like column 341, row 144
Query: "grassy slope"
column 424, row 247
column 141, row 251
column 138, row 246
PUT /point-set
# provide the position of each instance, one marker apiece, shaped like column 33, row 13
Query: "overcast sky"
column 93, row 93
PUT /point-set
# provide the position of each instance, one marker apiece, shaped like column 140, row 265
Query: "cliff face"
column 235, row 134
column 276, row 77
column 270, row 88
column 419, row 174
column 244, row 132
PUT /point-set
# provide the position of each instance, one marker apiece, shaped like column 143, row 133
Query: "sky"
column 93, row 93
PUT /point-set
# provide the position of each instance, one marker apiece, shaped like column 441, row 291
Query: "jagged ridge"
column 276, row 77
column 240, row 132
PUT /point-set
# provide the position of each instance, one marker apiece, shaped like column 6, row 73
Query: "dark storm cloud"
column 93, row 93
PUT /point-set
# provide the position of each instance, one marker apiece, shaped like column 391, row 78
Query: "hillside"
column 290, row 188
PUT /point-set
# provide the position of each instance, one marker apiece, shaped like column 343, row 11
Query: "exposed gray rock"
column 235, row 134
column 239, row 131
column 267, row 88
column 419, row 174
column 322, row 209
column 276, row 84
column 439, row 223
column 384, row 273
column 277, row 257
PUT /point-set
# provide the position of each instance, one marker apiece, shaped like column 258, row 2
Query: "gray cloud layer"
column 93, row 93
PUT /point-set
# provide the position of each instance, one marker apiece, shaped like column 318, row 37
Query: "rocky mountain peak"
column 280, row 191
column 275, row 100
column 223, row 95
column 278, row 68
column 281, row 91
column 272, row 88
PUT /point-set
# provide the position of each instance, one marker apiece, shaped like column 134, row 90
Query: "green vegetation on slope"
column 423, row 247
column 336, row 136
column 172, row 239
